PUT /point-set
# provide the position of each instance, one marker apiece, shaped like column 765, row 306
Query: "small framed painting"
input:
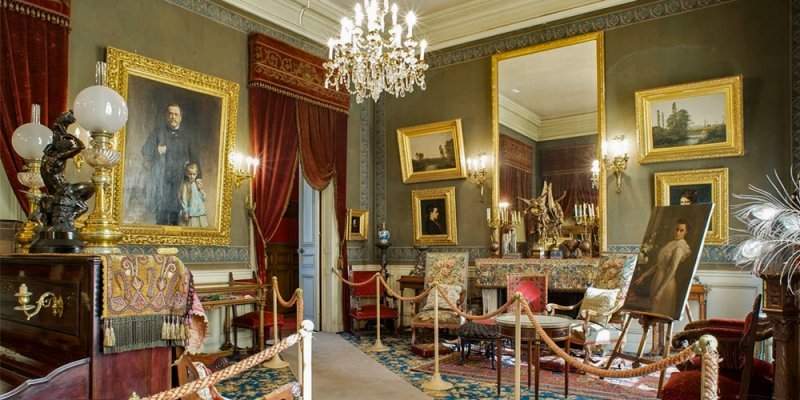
column 434, row 216
column 358, row 224
column 697, row 187
column 431, row 152
column 689, row 121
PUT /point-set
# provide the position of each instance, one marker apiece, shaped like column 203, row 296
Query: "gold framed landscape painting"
column 698, row 187
column 170, row 187
column 431, row 152
column 690, row 121
column 359, row 224
column 434, row 216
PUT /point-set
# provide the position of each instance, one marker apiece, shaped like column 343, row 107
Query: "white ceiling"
column 556, row 93
column 443, row 23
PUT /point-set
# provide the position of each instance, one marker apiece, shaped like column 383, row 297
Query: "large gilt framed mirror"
column 548, row 115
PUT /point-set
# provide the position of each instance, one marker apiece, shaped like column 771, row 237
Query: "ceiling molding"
column 519, row 118
column 566, row 127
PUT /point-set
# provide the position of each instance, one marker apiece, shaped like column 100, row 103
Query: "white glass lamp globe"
column 81, row 133
column 29, row 140
column 99, row 108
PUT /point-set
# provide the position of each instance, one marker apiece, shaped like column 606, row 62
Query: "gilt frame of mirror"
column 539, row 52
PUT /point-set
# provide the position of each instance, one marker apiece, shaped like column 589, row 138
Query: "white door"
column 309, row 241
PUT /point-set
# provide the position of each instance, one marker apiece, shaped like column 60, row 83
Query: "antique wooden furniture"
column 417, row 284
column 363, row 300
column 741, row 376
column 555, row 326
column 447, row 269
column 61, row 357
column 231, row 294
column 284, row 264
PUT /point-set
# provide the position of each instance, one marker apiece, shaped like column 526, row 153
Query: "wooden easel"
column 647, row 321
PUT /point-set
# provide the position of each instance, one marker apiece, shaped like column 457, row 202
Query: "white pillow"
column 601, row 301
column 453, row 293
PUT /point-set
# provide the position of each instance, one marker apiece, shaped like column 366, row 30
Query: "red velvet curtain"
column 569, row 170
column 273, row 138
column 34, row 49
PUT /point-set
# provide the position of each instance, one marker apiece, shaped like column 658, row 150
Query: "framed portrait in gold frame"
column 434, row 216
column 431, row 152
column 358, row 224
column 698, row 187
column 170, row 186
column 690, row 121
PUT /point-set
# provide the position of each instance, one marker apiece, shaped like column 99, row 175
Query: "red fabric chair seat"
column 686, row 384
column 250, row 320
column 368, row 312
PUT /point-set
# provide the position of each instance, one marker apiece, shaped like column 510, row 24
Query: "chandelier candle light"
column 368, row 58
column 476, row 171
column 244, row 167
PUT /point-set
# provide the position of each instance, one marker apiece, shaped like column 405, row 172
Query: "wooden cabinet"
column 68, row 350
column 282, row 262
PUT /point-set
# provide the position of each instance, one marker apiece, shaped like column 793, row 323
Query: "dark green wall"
column 747, row 37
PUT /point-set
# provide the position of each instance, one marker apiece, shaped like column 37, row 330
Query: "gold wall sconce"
column 477, row 170
column 615, row 156
column 244, row 167
column 46, row 300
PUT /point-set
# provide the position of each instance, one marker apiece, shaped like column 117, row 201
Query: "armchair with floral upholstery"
column 597, row 326
column 449, row 271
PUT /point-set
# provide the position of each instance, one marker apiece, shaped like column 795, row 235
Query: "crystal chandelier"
column 368, row 59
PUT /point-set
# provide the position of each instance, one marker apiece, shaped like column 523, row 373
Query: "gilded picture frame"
column 155, row 155
column 697, row 187
column 431, row 152
column 358, row 228
column 690, row 121
column 434, row 216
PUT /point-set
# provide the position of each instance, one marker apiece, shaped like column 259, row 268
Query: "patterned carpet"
column 257, row 382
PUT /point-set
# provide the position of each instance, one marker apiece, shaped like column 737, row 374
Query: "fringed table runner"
column 146, row 301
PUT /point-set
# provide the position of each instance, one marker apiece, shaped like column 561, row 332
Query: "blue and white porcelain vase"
column 383, row 234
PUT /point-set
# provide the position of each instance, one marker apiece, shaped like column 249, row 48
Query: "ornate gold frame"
column 406, row 135
column 599, row 39
column 363, row 224
column 448, row 195
column 120, row 66
column 717, row 178
column 733, row 145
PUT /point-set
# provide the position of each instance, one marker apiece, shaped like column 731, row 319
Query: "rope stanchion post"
column 305, row 366
column 436, row 382
column 378, row 346
column 301, row 347
column 517, row 346
column 709, row 367
column 275, row 362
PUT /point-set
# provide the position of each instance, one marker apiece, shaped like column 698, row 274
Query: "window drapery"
column 34, row 48
column 516, row 174
column 569, row 170
column 293, row 115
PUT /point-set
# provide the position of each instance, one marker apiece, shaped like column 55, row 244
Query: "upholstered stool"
column 476, row 332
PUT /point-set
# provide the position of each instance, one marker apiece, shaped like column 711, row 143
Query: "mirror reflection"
column 548, row 126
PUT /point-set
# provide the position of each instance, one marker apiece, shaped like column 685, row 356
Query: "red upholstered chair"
column 533, row 289
column 250, row 320
column 362, row 301
column 740, row 375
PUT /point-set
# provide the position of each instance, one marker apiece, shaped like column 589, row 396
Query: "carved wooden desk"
column 232, row 294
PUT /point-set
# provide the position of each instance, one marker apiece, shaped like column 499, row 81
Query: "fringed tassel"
column 164, row 329
column 109, row 338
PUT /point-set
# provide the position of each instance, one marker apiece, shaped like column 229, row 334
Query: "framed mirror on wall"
column 548, row 123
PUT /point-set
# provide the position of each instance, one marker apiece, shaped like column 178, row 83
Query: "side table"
column 417, row 283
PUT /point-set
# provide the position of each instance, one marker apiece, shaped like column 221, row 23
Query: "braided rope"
column 294, row 299
column 232, row 370
column 710, row 373
column 471, row 317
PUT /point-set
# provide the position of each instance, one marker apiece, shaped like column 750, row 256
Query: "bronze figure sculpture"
column 64, row 201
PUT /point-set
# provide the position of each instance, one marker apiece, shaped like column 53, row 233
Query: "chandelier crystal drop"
column 369, row 58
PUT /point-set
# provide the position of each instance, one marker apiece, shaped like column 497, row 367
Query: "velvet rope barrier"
column 235, row 369
column 297, row 301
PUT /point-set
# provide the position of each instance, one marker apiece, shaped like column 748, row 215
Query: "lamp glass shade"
column 81, row 133
column 29, row 140
column 99, row 108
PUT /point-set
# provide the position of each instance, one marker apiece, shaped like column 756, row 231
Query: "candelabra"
column 595, row 174
column 102, row 111
column 477, row 171
column 503, row 224
column 29, row 141
column 616, row 158
column 46, row 300
column 244, row 167
column 367, row 62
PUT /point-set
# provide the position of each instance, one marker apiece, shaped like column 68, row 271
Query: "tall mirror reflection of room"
column 549, row 127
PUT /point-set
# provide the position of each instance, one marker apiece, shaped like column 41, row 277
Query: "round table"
column 555, row 326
